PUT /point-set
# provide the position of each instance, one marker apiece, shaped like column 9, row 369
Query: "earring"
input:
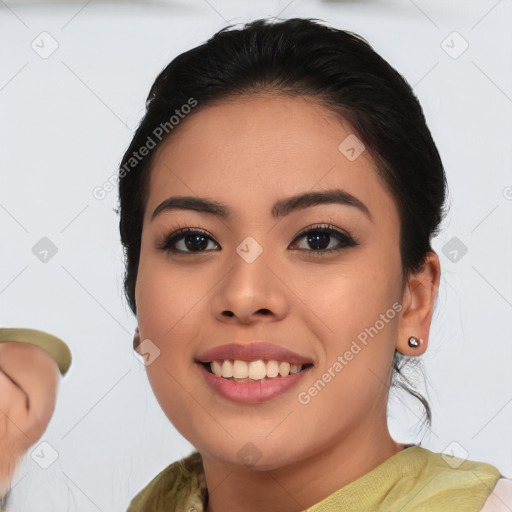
column 414, row 342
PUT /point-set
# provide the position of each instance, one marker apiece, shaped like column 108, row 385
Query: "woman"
column 277, row 204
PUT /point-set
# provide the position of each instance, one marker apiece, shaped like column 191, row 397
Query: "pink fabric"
column 500, row 499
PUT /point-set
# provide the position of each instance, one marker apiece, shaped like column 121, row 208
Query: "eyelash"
column 345, row 239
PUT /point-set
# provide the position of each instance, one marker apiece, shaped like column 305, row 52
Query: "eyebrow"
column 281, row 208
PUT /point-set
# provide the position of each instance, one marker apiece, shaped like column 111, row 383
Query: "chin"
column 251, row 455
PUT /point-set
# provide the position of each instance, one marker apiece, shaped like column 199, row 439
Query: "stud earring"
column 414, row 342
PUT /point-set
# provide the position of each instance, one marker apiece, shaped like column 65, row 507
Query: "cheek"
column 350, row 296
column 168, row 301
column 168, row 310
column 174, row 380
column 357, row 305
column 357, row 349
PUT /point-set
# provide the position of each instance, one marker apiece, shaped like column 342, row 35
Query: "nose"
column 250, row 292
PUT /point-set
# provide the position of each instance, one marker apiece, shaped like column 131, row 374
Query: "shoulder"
column 446, row 482
column 180, row 486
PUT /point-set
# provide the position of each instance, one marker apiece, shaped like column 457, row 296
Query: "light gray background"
column 65, row 123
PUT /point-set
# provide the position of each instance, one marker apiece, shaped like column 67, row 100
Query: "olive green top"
column 414, row 479
column 54, row 346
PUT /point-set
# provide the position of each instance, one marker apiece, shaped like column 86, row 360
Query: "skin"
column 29, row 379
column 248, row 153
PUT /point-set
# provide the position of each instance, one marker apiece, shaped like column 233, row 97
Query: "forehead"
column 249, row 152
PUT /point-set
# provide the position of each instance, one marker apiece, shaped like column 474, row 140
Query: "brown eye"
column 194, row 241
column 319, row 238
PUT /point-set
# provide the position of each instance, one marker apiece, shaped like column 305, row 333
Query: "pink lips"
column 252, row 352
column 252, row 392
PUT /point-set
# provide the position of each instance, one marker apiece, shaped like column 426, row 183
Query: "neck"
column 295, row 487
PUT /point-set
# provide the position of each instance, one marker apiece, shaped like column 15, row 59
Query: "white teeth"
column 272, row 368
column 294, row 368
column 216, row 368
column 240, row 369
column 284, row 369
column 257, row 370
column 227, row 369
column 254, row 370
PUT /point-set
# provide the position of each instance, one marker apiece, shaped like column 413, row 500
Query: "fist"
column 29, row 380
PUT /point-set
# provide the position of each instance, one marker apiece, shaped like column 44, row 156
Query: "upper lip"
column 252, row 351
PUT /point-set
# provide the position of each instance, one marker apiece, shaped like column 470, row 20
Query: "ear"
column 136, row 338
column 417, row 306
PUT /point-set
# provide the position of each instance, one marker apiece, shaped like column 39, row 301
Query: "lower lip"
column 251, row 392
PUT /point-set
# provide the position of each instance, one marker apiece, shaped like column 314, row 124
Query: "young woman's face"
column 253, row 276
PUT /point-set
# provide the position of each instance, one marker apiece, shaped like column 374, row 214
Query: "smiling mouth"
column 253, row 371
